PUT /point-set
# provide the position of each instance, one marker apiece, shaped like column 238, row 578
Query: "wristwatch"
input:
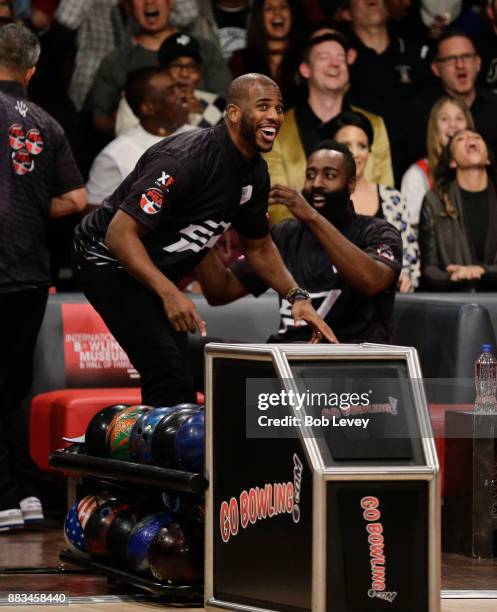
column 297, row 293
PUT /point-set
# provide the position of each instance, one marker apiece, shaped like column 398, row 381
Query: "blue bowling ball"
column 140, row 439
column 73, row 532
column 141, row 536
column 189, row 443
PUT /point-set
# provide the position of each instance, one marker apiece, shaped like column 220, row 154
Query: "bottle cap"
column 486, row 348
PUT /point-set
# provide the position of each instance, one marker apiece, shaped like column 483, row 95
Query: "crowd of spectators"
column 409, row 87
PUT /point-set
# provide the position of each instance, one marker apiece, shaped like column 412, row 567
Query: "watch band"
column 297, row 293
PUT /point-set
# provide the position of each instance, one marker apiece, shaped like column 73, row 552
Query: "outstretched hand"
column 302, row 310
column 182, row 313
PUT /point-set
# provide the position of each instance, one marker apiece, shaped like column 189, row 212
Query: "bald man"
column 161, row 221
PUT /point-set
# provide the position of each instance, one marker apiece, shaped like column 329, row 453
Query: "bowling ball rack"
column 129, row 473
column 190, row 594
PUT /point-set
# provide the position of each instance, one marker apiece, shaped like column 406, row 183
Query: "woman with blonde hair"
column 447, row 116
column 355, row 131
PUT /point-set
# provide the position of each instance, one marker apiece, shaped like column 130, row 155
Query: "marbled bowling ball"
column 173, row 558
column 164, row 435
column 96, row 432
column 119, row 430
column 98, row 525
column 140, row 439
column 189, row 443
column 188, row 405
column 141, row 537
column 73, row 532
column 118, row 534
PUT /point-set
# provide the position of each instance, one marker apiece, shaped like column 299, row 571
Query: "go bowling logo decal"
column 34, row 142
column 24, row 146
column 259, row 503
column 16, row 137
column 151, row 201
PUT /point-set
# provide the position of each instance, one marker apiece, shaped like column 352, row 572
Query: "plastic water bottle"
column 486, row 381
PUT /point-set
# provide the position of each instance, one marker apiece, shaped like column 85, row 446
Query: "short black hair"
column 137, row 89
column 452, row 32
column 337, row 36
column 333, row 145
column 239, row 88
column 356, row 119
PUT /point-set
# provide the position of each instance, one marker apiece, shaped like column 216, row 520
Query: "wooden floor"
column 29, row 562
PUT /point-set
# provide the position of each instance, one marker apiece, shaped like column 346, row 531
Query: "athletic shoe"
column 11, row 519
column 32, row 511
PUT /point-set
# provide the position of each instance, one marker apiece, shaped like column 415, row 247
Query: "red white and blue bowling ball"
column 141, row 537
column 173, row 558
column 140, row 439
column 98, row 525
column 189, row 443
column 73, row 532
column 164, row 435
column 96, row 431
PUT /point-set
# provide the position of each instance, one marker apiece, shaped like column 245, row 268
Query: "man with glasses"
column 180, row 55
column 456, row 64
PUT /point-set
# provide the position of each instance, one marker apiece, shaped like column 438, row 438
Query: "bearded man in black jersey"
column 161, row 221
column 350, row 263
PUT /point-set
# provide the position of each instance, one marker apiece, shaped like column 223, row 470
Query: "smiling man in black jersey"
column 348, row 262
column 161, row 221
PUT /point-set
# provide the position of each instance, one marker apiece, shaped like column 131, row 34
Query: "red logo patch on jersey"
column 34, row 141
column 385, row 251
column 22, row 162
column 16, row 136
column 151, row 201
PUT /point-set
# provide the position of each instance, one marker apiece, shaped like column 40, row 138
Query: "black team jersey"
column 353, row 316
column 187, row 190
column 36, row 164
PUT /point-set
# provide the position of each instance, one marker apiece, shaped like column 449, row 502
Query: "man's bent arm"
column 123, row 238
column 356, row 267
column 68, row 203
column 266, row 260
column 219, row 284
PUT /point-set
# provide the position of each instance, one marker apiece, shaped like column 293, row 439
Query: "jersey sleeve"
column 383, row 243
column 158, row 184
column 251, row 220
column 66, row 176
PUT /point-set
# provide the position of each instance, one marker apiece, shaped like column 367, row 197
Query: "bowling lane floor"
column 29, row 562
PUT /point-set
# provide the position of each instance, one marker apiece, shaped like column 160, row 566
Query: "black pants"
column 21, row 315
column 136, row 318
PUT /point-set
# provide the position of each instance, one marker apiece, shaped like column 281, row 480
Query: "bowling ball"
column 98, row 525
column 73, row 532
column 142, row 535
column 173, row 558
column 89, row 504
column 119, row 429
column 189, row 443
column 96, row 431
column 188, row 405
column 164, row 434
column 118, row 534
column 140, row 438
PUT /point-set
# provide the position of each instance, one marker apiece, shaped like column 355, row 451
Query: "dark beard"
column 337, row 208
column 248, row 133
